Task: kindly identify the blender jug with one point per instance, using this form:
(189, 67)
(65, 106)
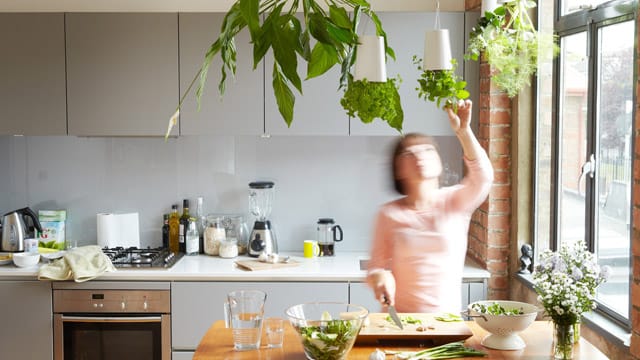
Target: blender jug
(328, 234)
(262, 238)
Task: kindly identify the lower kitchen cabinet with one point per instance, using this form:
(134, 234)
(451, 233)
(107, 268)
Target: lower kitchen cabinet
(195, 306)
(27, 321)
(182, 355)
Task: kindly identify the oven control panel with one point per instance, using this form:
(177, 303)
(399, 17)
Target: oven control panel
(112, 301)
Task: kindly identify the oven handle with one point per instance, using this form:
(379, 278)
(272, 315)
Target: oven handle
(112, 319)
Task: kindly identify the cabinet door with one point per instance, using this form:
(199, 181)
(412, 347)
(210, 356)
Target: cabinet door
(406, 33)
(26, 320)
(182, 355)
(241, 110)
(32, 89)
(122, 73)
(361, 294)
(316, 112)
(195, 306)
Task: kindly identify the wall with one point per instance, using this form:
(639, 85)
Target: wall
(346, 178)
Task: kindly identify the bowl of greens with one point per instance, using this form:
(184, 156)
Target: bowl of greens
(327, 330)
(503, 320)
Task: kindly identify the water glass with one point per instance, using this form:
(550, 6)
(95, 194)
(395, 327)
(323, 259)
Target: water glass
(275, 331)
(244, 310)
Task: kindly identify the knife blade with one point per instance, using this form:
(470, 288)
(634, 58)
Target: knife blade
(394, 314)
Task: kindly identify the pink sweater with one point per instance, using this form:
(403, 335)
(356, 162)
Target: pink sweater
(425, 250)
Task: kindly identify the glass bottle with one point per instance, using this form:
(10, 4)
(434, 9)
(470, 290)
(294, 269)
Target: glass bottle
(174, 229)
(192, 238)
(201, 221)
(165, 231)
(184, 224)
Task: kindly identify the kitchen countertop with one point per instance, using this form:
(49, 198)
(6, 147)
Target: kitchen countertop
(345, 266)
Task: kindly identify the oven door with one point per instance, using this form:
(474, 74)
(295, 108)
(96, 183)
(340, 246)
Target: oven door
(104, 337)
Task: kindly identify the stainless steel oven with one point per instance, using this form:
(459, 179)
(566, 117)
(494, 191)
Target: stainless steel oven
(111, 323)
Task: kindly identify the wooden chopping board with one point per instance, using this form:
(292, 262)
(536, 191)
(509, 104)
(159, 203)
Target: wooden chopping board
(381, 331)
(255, 265)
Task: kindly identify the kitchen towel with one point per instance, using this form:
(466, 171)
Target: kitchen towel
(80, 264)
(118, 230)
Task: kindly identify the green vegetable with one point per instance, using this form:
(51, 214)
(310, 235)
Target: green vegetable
(369, 100)
(329, 340)
(443, 87)
(51, 245)
(446, 351)
(495, 309)
(448, 317)
(405, 319)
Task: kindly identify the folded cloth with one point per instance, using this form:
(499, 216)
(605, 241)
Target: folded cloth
(80, 264)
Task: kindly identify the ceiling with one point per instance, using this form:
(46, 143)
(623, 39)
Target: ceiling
(194, 5)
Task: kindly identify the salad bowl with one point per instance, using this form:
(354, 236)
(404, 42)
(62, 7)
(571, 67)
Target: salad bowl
(503, 320)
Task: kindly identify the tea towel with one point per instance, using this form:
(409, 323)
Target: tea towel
(80, 264)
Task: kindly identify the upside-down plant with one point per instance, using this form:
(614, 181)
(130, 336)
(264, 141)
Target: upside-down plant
(443, 87)
(325, 35)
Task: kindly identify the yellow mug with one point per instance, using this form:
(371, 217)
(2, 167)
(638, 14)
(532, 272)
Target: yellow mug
(310, 249)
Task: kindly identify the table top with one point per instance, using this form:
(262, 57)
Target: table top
(217, 343)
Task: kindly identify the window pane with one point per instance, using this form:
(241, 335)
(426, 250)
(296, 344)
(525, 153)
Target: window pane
(573, 136)
(571, 6)
(615, 110)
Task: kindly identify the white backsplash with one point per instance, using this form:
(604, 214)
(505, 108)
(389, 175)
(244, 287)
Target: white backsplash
(345, 178)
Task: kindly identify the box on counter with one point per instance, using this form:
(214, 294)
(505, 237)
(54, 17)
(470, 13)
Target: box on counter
(53, 228)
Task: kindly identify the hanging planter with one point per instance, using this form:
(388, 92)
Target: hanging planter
(369, 94)
(510, 44)
(443, 87)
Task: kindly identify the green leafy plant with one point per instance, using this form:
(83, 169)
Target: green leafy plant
(510, 44)
(273, 25)
(443, 87)
(369, 100)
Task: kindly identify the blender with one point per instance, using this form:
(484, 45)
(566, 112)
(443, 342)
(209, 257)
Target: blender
(263, 238)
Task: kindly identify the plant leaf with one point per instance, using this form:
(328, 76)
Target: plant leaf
(249, 10)
(339, 17)
(318, 28)
(283, 43)
(323, 57)
(284, 96)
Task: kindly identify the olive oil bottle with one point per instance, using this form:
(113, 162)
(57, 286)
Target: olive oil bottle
(174, 230)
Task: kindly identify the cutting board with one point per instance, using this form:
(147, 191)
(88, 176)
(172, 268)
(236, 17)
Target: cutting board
(254, 265)
(381, 331)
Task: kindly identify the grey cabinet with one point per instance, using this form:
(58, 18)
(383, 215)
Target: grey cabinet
(405, 33)
(27, 330)
(122, 73)
(241, 110)
(32, 69)
(195, 306)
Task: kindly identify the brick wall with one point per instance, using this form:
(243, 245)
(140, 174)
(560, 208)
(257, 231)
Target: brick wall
(635, 244)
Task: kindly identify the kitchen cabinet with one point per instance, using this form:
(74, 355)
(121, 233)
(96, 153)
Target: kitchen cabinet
(122, 73)
(32, 69)
(27, 325)
(241, 110)
(405, 32)
(182, 355)
(195, 306)
(316, 112)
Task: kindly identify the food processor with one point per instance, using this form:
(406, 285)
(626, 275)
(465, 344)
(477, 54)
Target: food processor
(263, 238)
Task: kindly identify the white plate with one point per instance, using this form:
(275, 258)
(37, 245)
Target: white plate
(5, 261)
(53, 256)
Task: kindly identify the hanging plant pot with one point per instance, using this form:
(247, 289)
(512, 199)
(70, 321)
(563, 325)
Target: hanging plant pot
(370, 59)
(437, 50)
(443, 87)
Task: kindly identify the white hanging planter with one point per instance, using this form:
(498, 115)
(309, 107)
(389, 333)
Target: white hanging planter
(490, 5)
(370, 59)
(437, 50)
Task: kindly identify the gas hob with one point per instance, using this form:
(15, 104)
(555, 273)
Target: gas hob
(158, 258)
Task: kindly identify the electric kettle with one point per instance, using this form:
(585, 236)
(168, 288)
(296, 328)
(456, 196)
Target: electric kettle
(15, 229)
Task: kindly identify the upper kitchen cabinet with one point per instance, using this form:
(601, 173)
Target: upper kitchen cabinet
(316, 112)
(122, 73)
(32, 89)
(406, 33)
(241, 110)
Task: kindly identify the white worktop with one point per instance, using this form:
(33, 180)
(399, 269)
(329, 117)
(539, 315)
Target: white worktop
(342, 267)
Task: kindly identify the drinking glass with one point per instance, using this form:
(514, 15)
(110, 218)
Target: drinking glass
(274, 327)
(244, 310)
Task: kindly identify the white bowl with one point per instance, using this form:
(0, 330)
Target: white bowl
(26, 259)
(504, 329)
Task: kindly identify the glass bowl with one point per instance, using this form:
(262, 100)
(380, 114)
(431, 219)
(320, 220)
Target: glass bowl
(327, 330)
(503, 328)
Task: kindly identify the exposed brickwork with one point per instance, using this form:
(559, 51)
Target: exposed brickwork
(635, 244)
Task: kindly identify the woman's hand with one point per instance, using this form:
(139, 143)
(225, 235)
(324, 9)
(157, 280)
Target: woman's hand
(384, 286)
(461, 120)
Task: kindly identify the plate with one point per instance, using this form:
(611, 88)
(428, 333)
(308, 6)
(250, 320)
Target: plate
(6, 258)
(53, 256)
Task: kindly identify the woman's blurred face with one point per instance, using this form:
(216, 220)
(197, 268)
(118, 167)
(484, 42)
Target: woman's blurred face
(419, 161)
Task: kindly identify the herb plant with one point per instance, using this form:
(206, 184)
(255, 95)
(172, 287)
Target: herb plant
(511, 45)
(369, 100)
(495, 309)
(330, 340)
(443, 87)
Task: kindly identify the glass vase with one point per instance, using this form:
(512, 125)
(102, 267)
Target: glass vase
(576, 331)
(563, 341)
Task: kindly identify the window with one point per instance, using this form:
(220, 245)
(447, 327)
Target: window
(584, 139)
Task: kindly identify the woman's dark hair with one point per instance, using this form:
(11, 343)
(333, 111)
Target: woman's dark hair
(400, 146)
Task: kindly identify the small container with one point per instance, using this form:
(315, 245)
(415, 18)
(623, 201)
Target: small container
(229, 248)
(214, 234)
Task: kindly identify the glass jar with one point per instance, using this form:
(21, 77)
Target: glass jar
(214, 234)
(240, 232)
(228, 248)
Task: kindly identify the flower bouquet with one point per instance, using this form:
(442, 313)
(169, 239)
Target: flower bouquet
(566, 283)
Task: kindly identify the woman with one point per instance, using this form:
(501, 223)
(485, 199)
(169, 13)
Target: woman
(420, 240)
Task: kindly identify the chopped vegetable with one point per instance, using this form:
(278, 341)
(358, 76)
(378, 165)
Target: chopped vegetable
(447, 351)
(448, 317)
(405, 319)
(496, 309)
(330, 340)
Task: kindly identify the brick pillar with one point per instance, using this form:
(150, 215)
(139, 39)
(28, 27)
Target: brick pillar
(490, 228)
(634, 316)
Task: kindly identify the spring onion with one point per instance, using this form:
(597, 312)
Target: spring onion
(405, 319)
(448, 317)
(447, 351)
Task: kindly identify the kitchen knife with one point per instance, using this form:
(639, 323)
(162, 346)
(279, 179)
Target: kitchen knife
(394, 314)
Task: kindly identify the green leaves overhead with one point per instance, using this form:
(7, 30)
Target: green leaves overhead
(370, 100)
(288, 37)
(441, 86)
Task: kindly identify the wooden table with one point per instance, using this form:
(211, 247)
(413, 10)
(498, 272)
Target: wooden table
(217, 343)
